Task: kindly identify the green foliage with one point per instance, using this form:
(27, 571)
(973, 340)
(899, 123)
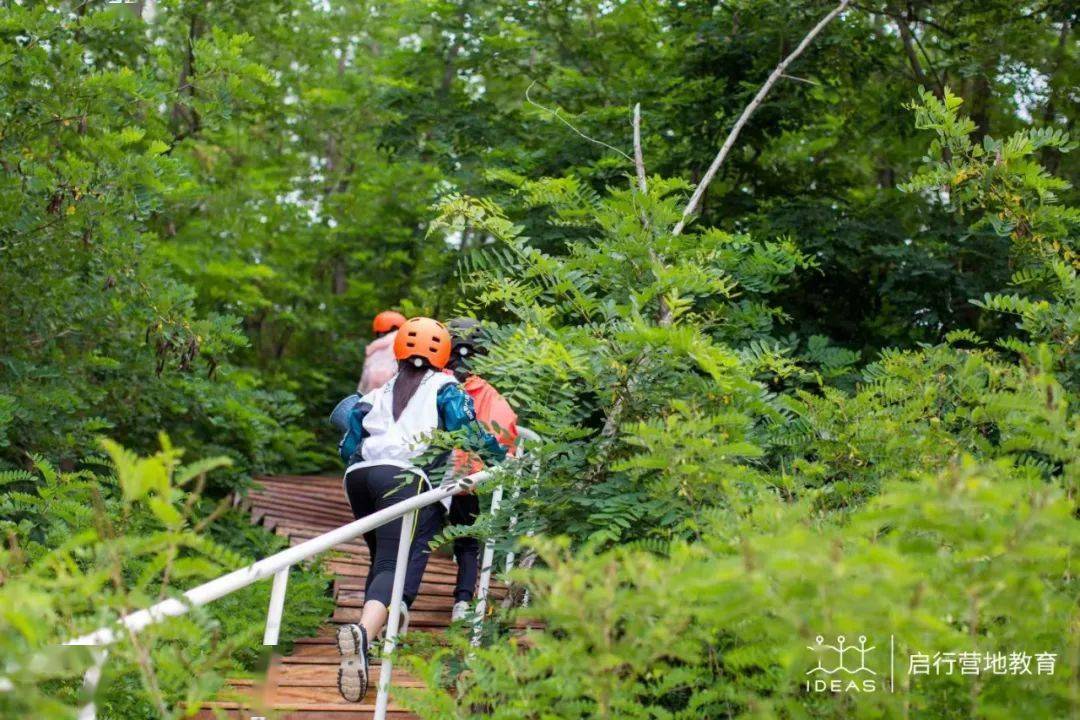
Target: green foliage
(630, 326)
(1002, 180)
(1006, 187)
(974, 558)
(100, 336)
(202, 207)
(721, 502)
(86, 547)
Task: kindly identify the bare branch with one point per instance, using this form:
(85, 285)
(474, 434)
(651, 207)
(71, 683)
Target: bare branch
(560, 118)
(664, 315)
(639, 159)
(909, 41)
(802, 80)
(749, 110)
(938, 77)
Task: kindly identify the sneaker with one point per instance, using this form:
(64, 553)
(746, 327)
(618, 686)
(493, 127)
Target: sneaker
(460, 611)
(352, 679)
(403, 625)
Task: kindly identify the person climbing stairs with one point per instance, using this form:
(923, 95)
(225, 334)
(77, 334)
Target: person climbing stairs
(303, 684)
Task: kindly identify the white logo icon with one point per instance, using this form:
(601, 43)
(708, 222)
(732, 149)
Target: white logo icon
(845, 656)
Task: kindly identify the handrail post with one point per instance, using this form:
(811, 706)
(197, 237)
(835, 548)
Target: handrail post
(511, 556)
(90, 683)
(489, 546)
(278, 566)
(382, 700)
(485, 573)
(277, 607)
(508, 565)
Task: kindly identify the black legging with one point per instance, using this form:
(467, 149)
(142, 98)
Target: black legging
(464, 509)
(374, 488)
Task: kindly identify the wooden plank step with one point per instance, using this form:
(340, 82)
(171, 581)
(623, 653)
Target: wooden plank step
(322, 675)
(316, 491)
(314, 488)
(297, 535)
(335, 510)
(325, 655)
(422, 602)
(356, 570)
(304, 711)
(345, 585)
(439, 617)
(303, 685)
(362, 563)
(354, 598)
(322, 522)
(363, 560)
(232, 714)
(323, 698)
(334, 499)
(325, 635)
(324, 479)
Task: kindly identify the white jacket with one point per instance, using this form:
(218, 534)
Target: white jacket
(404, 439)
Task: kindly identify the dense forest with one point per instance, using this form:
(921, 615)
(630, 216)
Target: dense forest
(838, 397)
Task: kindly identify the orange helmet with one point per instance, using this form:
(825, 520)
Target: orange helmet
(423, 338)
(386, 321)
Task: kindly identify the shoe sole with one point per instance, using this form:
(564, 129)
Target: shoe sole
(352, 673)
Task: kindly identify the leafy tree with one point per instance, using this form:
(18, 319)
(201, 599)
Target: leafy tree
(100, 335)
(742, 506)
(203, 204)
(975, 558)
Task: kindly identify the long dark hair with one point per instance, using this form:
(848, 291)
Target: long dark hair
(408, 379)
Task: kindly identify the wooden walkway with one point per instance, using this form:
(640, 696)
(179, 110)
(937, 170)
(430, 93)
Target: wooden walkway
(303, 685)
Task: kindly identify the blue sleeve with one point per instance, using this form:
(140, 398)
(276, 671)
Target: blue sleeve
(456, 412)
(355, 433)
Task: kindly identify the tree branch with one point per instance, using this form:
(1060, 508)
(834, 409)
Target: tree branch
(699, 191)
(909, 40)
(664, 315)
(564, 121)
(909, 50)
(639, 159)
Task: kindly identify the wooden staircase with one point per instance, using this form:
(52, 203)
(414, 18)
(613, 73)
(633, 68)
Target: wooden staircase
(303, 685)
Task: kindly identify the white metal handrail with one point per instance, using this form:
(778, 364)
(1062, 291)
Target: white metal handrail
(486, 564)
(278, 566)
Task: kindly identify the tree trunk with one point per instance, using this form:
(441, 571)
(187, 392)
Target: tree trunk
(451, 56)
(980, 97)
(1051, 157)
(184, 116)
(339, 277)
